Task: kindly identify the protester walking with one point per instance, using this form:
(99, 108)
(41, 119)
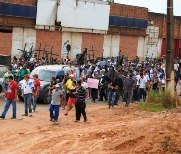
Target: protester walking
(55, 104)
(68, 86)
(94, 91)
(113, 88)
(72, 98)
(27, 93)
(142, 86)
(103, 84)
(36, 90)
(10, 97)
(23, 71)
(52, 87)
(6, 78)
(80, 102)
(129, 85)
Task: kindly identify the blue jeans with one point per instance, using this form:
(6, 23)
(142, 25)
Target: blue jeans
(112, 97)
(128, 96)
(118, 94)
(28, 101)
(8, 102)
(137, 91)
(35, 102)
(54, 111)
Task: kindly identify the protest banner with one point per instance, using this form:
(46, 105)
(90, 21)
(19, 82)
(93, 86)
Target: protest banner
(92, 83)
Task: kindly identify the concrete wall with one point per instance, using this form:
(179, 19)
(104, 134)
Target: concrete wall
(111, 45)
(22, 36)
(73, 39)
(148, 50)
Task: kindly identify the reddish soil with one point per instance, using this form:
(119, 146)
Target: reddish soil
(108, 131)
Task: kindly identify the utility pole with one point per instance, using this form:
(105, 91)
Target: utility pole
(169, 53)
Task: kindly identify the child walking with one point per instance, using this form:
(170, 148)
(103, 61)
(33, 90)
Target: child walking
(55, 104)
(72, 98)
(80, 102)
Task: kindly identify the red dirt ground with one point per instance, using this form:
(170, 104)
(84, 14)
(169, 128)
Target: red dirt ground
(108, 131)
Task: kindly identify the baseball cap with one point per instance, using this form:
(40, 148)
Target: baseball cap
(35, 75)
(26, 76)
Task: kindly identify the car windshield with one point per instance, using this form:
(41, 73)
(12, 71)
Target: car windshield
(44, 75)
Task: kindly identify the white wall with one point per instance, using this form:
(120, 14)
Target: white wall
(107, 46)
(149, 50)
(75, 40)
(17, 41)
(29, 38)
(22, 36)
(141, 49)
(115, 45)
(154, 50)
(111, 45)
(150, 46)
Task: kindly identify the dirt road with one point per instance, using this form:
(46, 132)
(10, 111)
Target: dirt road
(108, 131)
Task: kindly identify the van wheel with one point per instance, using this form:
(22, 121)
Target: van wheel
(46, 99)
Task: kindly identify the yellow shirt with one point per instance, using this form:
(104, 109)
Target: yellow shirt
(69, 85)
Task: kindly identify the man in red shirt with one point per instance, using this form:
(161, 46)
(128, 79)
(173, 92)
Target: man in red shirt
(11, 97)
(36, 90)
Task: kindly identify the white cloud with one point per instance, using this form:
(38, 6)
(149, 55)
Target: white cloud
(159, 6)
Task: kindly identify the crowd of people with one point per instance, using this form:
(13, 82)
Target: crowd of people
(118, 79)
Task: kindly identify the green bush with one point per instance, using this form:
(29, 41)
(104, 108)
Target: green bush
(158, 101)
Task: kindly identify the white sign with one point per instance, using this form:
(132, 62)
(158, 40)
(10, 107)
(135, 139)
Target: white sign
(85, 15)
(46, 12)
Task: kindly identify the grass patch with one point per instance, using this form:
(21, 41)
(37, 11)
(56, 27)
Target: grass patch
(152, 107)
(158, 101)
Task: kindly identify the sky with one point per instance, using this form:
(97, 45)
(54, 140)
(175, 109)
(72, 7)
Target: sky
(158, 6)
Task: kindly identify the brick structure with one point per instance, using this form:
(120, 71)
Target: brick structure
(47, 39)
(128, 35)
(10, 22)
(5, 43)
(160, 20)
(95, 41)
(128, 46)
(128, 11)
(23, 2)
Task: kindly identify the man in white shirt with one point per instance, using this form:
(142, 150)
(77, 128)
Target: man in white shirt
(176, 67)
(142, 85)
(27, 92)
